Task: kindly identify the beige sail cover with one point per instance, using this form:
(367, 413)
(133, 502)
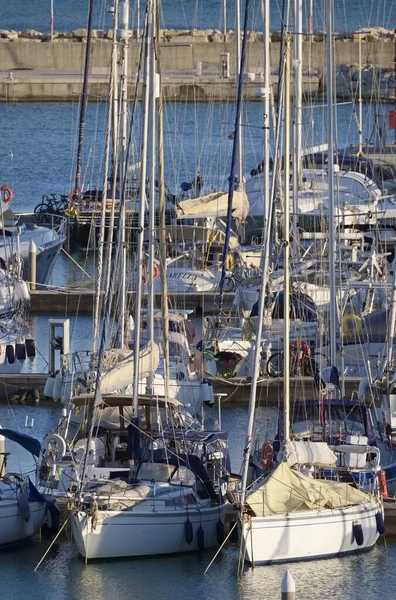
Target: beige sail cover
(288, 491)
(316, 454)
(215, 205)
(121, 373)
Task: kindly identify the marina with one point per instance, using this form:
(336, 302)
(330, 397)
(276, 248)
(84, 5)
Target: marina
(198, 300)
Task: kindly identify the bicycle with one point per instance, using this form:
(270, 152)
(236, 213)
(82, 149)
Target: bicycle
(49, 206)
(301, 363)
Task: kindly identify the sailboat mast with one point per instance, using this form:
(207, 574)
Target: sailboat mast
(332, 198)
(124, 38)
(264, 263)
(286, 246)
(99, 277)
(84, 98)
(238, 132)
(142, 200)
(161, 209)
(297, 122)
(152, 203)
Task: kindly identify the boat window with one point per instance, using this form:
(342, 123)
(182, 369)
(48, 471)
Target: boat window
(157, 471)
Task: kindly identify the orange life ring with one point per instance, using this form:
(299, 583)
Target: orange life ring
(6, 194)
(145, 270)
(382, 484)
(267, 456)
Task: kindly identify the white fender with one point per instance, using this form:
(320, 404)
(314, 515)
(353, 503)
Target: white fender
(55, 444)
(57, 389)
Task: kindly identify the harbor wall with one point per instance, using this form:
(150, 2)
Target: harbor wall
(183, 54)
(35, 69)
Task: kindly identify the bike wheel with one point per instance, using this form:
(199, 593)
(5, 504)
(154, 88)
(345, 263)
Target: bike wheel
(229, 284)
(40, 212)
(275, 364)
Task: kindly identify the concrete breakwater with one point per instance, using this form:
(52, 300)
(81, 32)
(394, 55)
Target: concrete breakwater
(196, 65)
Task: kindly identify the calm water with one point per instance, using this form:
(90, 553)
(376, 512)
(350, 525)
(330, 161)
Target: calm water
(36, 157)
(188, 14)
(37, 153)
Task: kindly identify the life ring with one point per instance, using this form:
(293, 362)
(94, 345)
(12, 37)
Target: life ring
(6, 194)
(145, 270)
(267, 456)
(55, 445)
(351, 325)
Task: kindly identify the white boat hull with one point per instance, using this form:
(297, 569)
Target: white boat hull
(132, 533)
(308, 535)
(13, 528)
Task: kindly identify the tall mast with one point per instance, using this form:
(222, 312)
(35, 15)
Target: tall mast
(124, 39)
(161, 210)
(264, 261)
(286, 247)
(332, 198)
(152, 207)
(142, 199)
(84, 99)
(238, 132)
(297, 123)
(234, 158)
(105, 183)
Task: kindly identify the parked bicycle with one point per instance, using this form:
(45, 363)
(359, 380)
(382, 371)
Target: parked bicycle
(301, 361)
(50, 205)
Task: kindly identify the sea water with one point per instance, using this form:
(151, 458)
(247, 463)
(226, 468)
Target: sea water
(190, 14)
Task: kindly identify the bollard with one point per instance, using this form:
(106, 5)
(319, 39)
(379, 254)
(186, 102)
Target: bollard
(32, 265)
(288, 587)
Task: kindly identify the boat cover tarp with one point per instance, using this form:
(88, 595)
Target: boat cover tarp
(215, 205)
(121, 373)
(316, 454)
(29, 443)
(287, 491)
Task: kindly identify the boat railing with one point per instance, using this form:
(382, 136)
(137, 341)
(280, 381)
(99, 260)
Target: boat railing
(51, 221)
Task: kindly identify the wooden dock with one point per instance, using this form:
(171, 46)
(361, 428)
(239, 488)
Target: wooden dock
(81, 302)
(270, 391)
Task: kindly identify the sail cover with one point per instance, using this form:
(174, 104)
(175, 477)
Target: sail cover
(121, 373)
(287, 491)
(316, 454)
(214, 205)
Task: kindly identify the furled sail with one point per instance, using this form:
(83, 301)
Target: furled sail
(214, 205)
(120, 374)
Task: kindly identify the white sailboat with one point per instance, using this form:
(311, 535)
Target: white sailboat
(23, 510)
(289, 515)
(161, 488)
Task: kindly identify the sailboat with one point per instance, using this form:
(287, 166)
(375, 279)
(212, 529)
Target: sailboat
(153, 485)
(289, 515)
(23, 510)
